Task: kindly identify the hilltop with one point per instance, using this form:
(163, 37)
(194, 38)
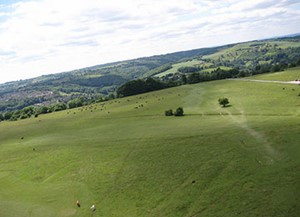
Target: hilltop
(101, 81)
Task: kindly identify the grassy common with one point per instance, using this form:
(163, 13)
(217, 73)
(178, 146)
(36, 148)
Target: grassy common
(128, 159)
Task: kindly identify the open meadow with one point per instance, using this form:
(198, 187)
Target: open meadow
(129, 159)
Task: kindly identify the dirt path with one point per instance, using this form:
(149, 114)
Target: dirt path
(269, 153)
(266, 81)
(257, 135)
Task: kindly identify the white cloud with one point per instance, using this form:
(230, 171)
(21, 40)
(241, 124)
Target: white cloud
(48, 36)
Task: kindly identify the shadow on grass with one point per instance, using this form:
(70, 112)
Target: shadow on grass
(226, 106)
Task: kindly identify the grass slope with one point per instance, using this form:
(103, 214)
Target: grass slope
(130, 160)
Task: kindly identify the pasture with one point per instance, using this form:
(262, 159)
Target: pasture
(128, 159)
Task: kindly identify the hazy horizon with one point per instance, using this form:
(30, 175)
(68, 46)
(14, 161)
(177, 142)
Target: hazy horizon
(51, 36)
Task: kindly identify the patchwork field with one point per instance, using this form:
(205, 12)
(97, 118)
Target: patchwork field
(129, 159)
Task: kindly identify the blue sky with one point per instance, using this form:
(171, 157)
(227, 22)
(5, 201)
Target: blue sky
(49, 36)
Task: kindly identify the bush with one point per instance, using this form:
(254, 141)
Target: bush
(169, 112)
(179, 112)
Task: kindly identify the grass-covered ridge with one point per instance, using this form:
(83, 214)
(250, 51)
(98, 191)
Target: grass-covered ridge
(128, 159)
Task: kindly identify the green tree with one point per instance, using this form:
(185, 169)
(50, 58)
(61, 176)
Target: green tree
(78, 102)
(169, 112)
(223, 101)
(183, 79)
(28, 110)
(42, 110)
(179, 112)
(59, 107)
(193, 78)
(8, 115)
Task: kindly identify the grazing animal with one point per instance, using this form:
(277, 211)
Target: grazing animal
(93, 208)
(77, 203)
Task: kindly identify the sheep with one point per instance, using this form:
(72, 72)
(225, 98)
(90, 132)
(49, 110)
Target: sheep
(77, 203)
(93, 208)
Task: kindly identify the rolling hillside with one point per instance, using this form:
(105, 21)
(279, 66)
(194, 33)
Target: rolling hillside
(129, 159)
(103, 80)
(245, 56)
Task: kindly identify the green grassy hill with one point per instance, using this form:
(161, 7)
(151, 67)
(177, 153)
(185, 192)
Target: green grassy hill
(245, 56)
(103, 80)
(128, 159)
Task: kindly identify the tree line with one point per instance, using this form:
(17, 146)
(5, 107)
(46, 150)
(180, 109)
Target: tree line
(139, 86)
(192, 75)
(35, 111)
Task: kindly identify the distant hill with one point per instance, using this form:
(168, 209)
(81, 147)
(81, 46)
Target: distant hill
(102, 80)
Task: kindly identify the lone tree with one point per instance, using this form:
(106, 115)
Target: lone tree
(223, 101)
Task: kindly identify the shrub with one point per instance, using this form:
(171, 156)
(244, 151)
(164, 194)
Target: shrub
(169, 112)
(179, 112)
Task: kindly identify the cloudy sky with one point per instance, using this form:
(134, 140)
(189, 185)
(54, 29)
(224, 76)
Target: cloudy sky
(49, 36)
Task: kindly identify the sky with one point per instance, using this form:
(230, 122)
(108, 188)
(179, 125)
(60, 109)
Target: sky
(49, 36)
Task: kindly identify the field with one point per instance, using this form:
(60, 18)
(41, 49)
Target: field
(128, 159)
(247, 50)
(176, 66)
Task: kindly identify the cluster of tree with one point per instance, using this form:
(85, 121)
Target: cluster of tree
(35, 111)
(18, 114)
(19, 103)
(178, 112)
(277, 67)
(101, 81)
(219, 73)
(206, 76)
(189, 69)
(247, 59)
(141, 86)
(159, 70)
(70, 89)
